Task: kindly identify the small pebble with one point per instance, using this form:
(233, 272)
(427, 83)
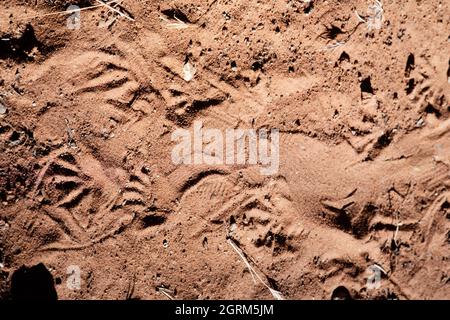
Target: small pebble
(188, 72)
(419, 123)
(3, 109)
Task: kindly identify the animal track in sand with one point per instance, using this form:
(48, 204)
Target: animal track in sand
(352, 190)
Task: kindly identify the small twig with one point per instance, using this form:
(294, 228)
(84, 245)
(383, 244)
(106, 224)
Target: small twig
(380, 268)
(249, 267)
(115, 10)
(69, 11)
(175, 25)
(276, 294)
(335, 45)
(165, 292)
(359, 17)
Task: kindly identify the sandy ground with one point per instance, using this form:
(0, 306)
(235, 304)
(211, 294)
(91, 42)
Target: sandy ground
(360, 94)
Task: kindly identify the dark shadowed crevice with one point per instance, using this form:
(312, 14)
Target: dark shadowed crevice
(341, 293)
(20, 48)
(366, 86)
(33, 283)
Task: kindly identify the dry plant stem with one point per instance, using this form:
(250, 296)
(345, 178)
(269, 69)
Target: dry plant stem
(114, 9)
(175, 25)
(164, 292)
(70, 11)
(359, 17)
(254, 274)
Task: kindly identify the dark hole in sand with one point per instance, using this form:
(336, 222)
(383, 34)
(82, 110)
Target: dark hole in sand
(341, 293)
(410, 86)
(152, 220)
(410, 64)
(331, 32)
(430, 109)
(33, 283)
(175, 14)
(344, 57)
(19, 49)
(366, 86)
